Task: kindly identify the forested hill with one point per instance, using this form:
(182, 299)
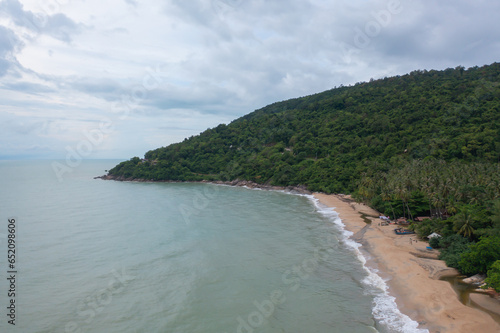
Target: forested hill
(331, 140)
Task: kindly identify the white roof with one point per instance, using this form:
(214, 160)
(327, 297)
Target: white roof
(433, 235)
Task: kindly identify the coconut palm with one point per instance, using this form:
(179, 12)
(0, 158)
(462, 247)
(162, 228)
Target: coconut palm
(463, 222)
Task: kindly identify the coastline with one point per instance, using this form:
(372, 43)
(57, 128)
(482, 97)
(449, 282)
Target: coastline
(299, 189)
(411, 271)
(413, 277)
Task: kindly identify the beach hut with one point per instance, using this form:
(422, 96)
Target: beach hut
(433, 235)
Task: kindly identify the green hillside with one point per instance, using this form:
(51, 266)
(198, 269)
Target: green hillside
(328, 140)
(422, 144)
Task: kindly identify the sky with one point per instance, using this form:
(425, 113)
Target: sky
(114, 79)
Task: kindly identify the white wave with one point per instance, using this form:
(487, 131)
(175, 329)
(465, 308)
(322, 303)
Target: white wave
(252, 188)
(385, 309)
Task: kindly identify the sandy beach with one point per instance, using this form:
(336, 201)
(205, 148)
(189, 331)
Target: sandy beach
(412, 272)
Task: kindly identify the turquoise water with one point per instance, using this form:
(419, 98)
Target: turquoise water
(105, 256)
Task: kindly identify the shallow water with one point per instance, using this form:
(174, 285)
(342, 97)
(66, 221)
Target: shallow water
(464, 290)
(105, 256)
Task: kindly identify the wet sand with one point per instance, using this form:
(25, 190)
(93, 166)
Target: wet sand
(412, 272)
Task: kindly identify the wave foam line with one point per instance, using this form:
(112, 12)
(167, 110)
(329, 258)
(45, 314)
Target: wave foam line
(385, 309)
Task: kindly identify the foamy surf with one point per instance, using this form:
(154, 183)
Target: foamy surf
(385, 310)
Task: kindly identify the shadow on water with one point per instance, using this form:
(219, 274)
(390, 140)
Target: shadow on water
(464, 290)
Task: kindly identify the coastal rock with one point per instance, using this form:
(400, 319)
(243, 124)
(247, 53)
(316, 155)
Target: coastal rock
(299, 189)
(477, 279)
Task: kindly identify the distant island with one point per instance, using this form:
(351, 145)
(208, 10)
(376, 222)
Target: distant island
(422, 147)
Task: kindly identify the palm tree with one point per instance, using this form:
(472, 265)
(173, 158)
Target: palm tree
(386, 196)
(463, 222)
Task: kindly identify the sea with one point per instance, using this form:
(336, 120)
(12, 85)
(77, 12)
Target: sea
(79, 254)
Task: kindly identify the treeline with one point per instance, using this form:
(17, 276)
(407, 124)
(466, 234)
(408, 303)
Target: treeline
(461, 201)
(422, 144)
(430, 187)
(328, 140)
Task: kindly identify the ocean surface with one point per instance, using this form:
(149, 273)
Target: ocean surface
(106, 256)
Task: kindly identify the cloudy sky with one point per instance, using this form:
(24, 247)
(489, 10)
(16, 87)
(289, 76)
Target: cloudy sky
(115, 78)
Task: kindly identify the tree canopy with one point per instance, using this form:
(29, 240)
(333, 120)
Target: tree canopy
(330, 140)
(425, 143)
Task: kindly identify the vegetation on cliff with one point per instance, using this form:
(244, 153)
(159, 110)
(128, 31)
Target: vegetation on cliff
(422, 144)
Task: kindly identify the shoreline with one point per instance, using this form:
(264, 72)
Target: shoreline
(299, 189)
(411, 274)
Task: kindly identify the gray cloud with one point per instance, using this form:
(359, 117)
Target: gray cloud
(58, 26)
(8, 45)
(131, 2)
(27, 87)
(107, 89)
(222, 58)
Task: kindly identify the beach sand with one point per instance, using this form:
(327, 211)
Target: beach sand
(412, 272)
